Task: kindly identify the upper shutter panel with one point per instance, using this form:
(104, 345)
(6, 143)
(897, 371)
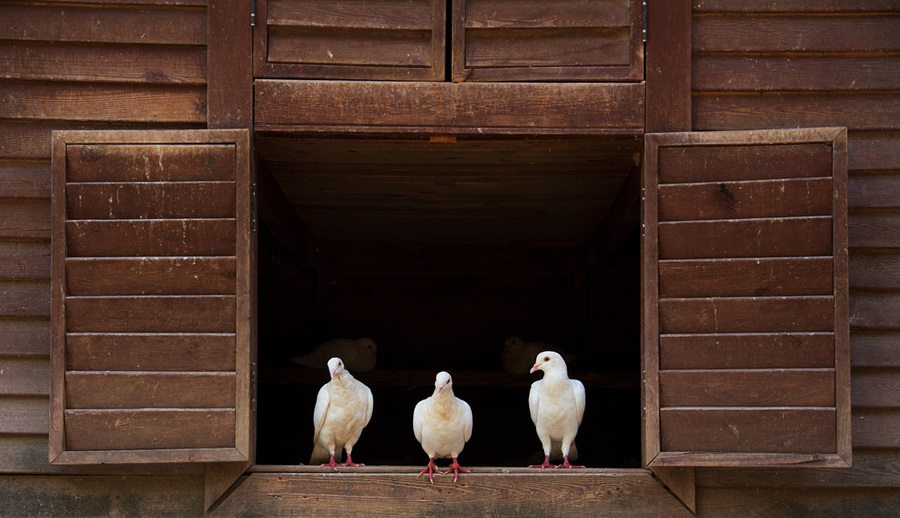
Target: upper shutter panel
(151, 303)
(541, 40)
(396, 40)
(746, 330)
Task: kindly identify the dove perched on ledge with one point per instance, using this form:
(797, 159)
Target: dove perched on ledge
(443, 424)
(359, 355)
(557, 407)
(343, 409)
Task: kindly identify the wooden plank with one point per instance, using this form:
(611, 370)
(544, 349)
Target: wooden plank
(746, 277)
(875, 269)
(150, 200)
(874, 151)
(726, 200)
(746, 351)
(778, 237)
(24, 179)
(104, 390)
(542, 14)
(174, 314)
(172, 104)
(875, 388)
(229, 93)
(793, 33)
(124, 162)
(387, 14)
(24, 219)
(532, 47)
(131, 238)
(24, 376)
(24, 415)
(357, 47)
(747, 388)
(30, 337)
(696, 164)
(151, 276)
(541, 108)
(875, 348)
(810, 501)
(150, 352)
(874, 229)
(875, 310)
(751, 314)
(668, 66)
(856, 111)
(748, 430)
(39, 61)
(148, 429)
(734, 73)
(794, 6)
(873, 191)
(876, 428)
(24, 299)
(107, 24)
(24, 260)
(624, 493)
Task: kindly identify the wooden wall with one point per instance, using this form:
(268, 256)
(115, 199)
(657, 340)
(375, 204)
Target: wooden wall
(832, 63)
(64, 66)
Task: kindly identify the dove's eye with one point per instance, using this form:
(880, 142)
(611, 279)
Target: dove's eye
(546, 358)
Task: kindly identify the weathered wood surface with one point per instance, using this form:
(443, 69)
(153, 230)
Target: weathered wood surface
(483, 492)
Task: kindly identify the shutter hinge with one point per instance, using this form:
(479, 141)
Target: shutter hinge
(644, 21)
(253, 13)
(253, 386)
(253, 204)
(643, 215)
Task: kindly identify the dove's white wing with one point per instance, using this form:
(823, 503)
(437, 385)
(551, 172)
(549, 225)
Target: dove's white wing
(467, 421)
(417, 420)
(578, 388)
(370, 405)
(323, 401)
(534, 400)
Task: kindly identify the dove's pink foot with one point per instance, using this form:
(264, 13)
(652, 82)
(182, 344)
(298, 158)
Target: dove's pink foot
(566, 464)
(332, 463)
(431, 469)
(350, 462)
(456, 469)
(546, 463)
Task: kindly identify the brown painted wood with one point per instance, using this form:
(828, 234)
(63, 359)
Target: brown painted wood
(104, 390)
(24, 219)
(746, 351)
(746, 388)
(117, 238)
(150, 352)
(24, 299)
(873, 151)
(874, 229)
(24, 415)
(690, 164)
(876, 428)
(746, 314)
(149, 429)
(748, 430)
(151, 276)
(668, 66)
(229, 60)
(27, 338)
(136, 162)
(25, 260)
(746, 277)
(873, 191)
(24, 376)
(681, 482)
(533, 108)
(151, 200)
(24, 179)
(586, 493)
(875, 269)
(776, 237)
(174, 314)
(725, 200)
(794, 6)
(875, 388)
(874, 349)
(875, 310)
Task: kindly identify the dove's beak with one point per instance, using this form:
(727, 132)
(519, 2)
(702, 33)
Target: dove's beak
(536, 367)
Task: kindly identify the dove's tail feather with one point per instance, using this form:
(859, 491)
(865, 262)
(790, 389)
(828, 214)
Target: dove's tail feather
(320, 455)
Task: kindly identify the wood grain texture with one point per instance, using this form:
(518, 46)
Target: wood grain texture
(150, 352)
(149, 429)
(151, 276)
(24, 179)
(133, 238)
(694, 164)
(24, 376)
(875, 348)
(588, 493)
(874, 229)
(750, 314)
(747, 388)
(174, 314)
(105, 390)
(24, 415)
(24, 219)
(873, 269)
(24, 260)
(873, 191)
(229, 50)
(24, 299)
(668, 66)
(156, 200)
(876, 428)
(875, 388)
(25, 338)
(746, 277)
(875, 310)
(746, 351)
(136, 162)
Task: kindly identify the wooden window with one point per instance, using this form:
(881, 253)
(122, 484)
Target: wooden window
(152, 315)
(540, 40)
(399, 40)
(746, 341)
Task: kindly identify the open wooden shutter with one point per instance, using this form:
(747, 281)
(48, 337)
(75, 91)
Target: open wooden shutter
(746, 330)
(152, 310)
(547, 40)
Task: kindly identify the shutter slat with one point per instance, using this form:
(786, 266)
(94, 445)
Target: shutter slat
(133, 238)
(151, 200)
(746, 277)
(747, 388)
(151, 276)
(746, 351)
(150, 163)
(747, 314)
(165, 314)
(98, 390)
(778, 237)
(150, 352)
(149, 429)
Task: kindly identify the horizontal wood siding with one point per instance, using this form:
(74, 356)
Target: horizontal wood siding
(349, 39)
(527, 40)
(794, 63)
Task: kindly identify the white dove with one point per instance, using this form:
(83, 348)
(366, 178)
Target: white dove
(359, 355)
(443, 424)
(557, 407)
(343, 409)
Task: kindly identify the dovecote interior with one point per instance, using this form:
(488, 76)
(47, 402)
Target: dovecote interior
(439, 249)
